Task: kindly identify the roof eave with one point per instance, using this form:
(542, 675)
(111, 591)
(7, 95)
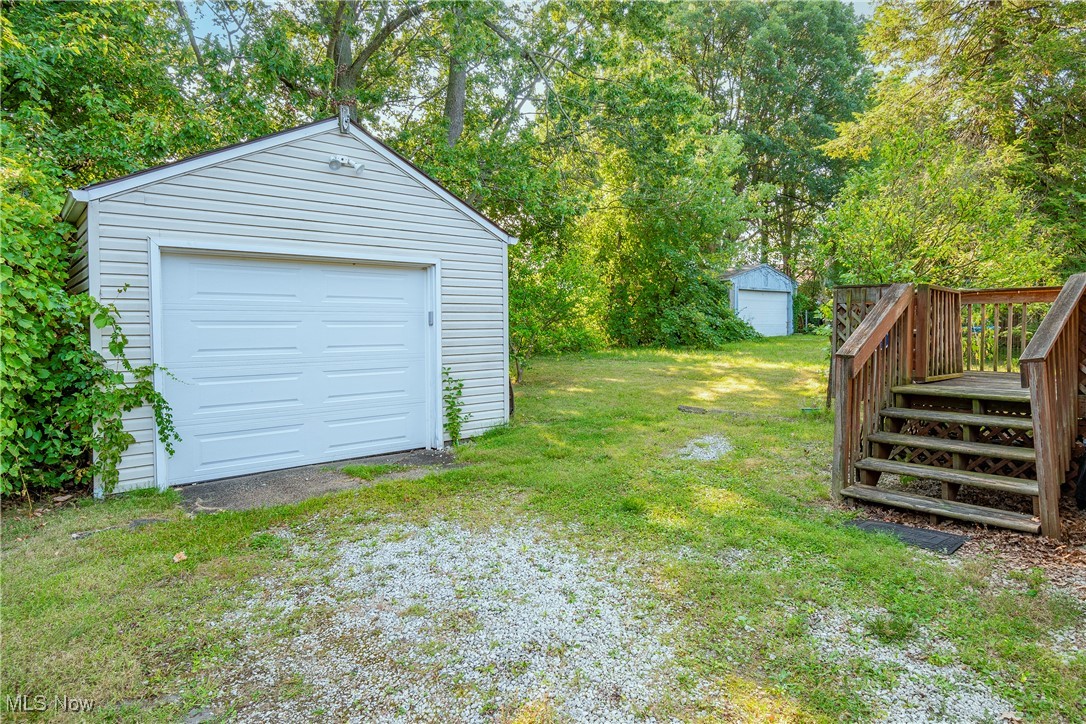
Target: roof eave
(132, 181)
(74, 203)
(410, 168)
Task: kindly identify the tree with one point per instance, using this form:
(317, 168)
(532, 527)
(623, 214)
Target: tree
(89, 90)
(932, 210)
(667, 205)
(780, 75)
(993, 90)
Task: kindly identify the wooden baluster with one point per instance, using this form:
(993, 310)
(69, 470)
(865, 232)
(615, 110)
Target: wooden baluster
(1010, 335)
(983, 332)
(1024, 321)
(969, 336)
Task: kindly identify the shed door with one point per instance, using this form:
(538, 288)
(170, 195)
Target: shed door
(282, 363)
(766, 311)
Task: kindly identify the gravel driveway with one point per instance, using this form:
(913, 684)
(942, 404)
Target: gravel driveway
(442, 623)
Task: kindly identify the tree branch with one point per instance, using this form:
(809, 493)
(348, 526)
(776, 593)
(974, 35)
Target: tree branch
(378, 39)
(188, 30)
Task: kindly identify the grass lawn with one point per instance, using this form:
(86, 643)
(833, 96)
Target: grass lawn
(114, 617)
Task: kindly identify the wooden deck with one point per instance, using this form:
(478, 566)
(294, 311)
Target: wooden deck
(1001, 386)
(927, 382)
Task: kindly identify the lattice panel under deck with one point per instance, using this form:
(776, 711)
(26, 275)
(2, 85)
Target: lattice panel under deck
(1007, 468)
(1004, 436)
(921, 456)
(924, 428)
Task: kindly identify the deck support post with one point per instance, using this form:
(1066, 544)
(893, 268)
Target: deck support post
(1049, 470)
(841, 475)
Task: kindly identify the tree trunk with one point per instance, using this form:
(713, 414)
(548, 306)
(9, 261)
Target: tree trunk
(342, 53)
(456, 99)
(788, 232)
(457, 90)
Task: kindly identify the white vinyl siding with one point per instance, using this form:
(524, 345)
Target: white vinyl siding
(272, 201)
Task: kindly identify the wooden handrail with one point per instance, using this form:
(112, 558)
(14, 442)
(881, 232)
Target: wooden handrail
(1051, 368)
(1064, 306)
(876, 357)
(1011, 295)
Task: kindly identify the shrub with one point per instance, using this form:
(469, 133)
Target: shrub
(453, 396)
(60, 402)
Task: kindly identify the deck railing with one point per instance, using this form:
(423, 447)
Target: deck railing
(998, 324)
(938, 344)
(851, 304)
(876, 357)
(1051, 369)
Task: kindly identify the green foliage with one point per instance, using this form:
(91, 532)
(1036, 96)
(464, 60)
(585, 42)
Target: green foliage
(975, 140)
(779, 75)
(667, 207)
(556, 299)
(934, 210)
(452, 394)
(60, 416)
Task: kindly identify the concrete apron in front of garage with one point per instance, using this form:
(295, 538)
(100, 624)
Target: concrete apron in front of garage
(293, 485)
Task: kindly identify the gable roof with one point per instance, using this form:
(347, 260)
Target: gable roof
(78, 198)
(740, 271)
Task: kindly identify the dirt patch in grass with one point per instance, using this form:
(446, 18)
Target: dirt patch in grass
(706, 448)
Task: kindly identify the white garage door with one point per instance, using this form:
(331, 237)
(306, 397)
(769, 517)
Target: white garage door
(284, 363)
(767, 312)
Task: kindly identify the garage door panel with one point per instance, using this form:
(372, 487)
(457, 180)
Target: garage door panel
(373, 386)
(370, 288)
(337, 369)
(215, 394)
(218, 337)
(211, 451)
(214, 280)
(353, 434)
(198, 335)
(347, 336)
(766, 311)
(202, 393)
(220, 453)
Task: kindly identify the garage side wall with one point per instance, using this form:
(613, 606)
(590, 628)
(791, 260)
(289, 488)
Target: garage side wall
(278, 200)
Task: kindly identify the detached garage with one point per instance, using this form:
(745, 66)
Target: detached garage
(763, 297)
(304, 292)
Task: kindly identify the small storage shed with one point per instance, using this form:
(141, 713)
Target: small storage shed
(763, 296)
(304, 290)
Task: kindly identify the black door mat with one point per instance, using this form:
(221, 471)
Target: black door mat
(933, 540)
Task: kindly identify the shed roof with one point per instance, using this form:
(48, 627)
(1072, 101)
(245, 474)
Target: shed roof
(78, 198)
(740, 271)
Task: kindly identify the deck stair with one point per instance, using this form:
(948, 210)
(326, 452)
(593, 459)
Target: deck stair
(978, 394)
(975, 431)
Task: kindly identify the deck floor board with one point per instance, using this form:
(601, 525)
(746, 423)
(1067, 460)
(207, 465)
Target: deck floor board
(998, 385)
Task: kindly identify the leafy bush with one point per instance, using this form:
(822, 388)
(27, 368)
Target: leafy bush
(930, 209)
(700, 315)
(555, 302)
(60, 402)
(453, 397)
